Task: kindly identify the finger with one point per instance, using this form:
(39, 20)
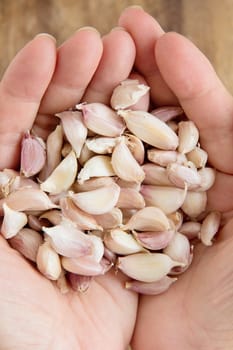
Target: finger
(145, 39)
(77, 60)
(221, 193)
(21, 90)
(115, 65)
(202, 95)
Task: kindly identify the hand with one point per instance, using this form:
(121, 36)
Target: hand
(197, 311)
(34, 314)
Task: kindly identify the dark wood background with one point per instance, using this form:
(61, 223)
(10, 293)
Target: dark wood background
(208, 23)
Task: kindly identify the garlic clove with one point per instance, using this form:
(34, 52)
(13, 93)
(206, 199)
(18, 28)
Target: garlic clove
(136, 147)
(48, 262)
(188, 136)
(34, 222)
(146, 267)
(190, 229)
(54, 216)
(151, 288)
(66, 149)
(93, 183)
(150, 129)
(94, 167)
(27, 242)
(154, 240)
(62, 283)
(111, 219)
(121, 242)
(181, 175)
(101, 145)
(99, 201)
(128, 184)
(79, 283)
(167, 113)
(97, 251)
(85, 266)
(176, 218)
(121, 156)
(101, 119)
(74, 129)
(160, 157)
(130, 198)
(208, 176)
(127, 93)
(109, 255)
(210, 227)
(178, 248)
(148, 219)
(155, 175)
(194, 203)
(13, 222)
(198, 156)
(62, 176)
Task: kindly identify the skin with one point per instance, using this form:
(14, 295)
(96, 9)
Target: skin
(196, 312)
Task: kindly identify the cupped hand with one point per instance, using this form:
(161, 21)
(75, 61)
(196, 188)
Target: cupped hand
(39, 82)
(197, 311)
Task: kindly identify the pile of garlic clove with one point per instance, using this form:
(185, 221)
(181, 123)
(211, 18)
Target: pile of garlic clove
(112, 187)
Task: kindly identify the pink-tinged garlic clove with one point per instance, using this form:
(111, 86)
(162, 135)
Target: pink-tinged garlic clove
(95, 167)
(79, 283)
(194, 203)
(121, 242)
(210, 227)
(34, 222)
(167, 198)
(32, 155)
(148, 219)
(136, 147)
(62, 176)
(27, 242)
(125, 165)
(109, 255)
(48, 262)
(111, 219)
(101, 119)
(97, 249)
(101, 145)
(181, 175)
(99, 201)
(190, 229)
(154, 240)
(188, 136)
(130, 198)
(127, 93)
(150, 129)
(178, 248)
(160, 157)
(152, 288)
(198, 156)
(167, 113)
(93, 183)
(74, 129)
(85, 266)
(54, 216)
(208, 176)
(146, 267)
(13, 222)
(155, 175)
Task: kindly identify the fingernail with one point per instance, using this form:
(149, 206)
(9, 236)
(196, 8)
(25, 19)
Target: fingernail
(87, 28)
(117, 28)
(136, 7)
(46, 35)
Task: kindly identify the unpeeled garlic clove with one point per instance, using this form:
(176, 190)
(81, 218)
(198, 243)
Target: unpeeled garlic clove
(85, 266)
(111, 219)
(128, 184)
(109, 255)
(62, 283)
(178, 248)
(176, 218)
(155, 175)
(101, 119)
(121, 242)
(62, 176)
(154, 240)
(99, 201)
(97, 251)
(160, 157)
(125, 165)
(194, 203)
(79, 283)
(27, 242)
(85, 154)
(146, 267)
(208, 176)
(190, 229)
(136, 147)
(94, 167)
(66, 149)
(93, 183)
(130, 198)
(48, 262)
(188, 136)
(148, 219)
(127, 93)
(198, 156)
(181, 175)
(34, 222)
(167, 198)
(32, 155)
(54, 216)
(152, 288)
(150, 129)
(13, 222)
(74, 129)
(101, 145)
(210, 227)
(167, 113)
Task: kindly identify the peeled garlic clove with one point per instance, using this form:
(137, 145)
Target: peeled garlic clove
(54, 216)
(48, 262)
(74, 129)
(111, 219)
(155, 175)
(67, 240)
(188, 136)
(136, 147)
(127, 94)
(94, 167)
(121, 242)
(79, 283)
(207, 179)
(190, 229)
(161, 157)
(198, 156)
(29, 199)
(99, 201)
(101, 119)
(13, 222)
(154, 240)
(130, 198)
(194, 203)
(152, 288)
(125, 165)
(81, 219)
(150, 129)
(167, 113)
(178, 248)
(85, 266)
(101, 145)
(148, 219)
(62, 177)
(146, 267)
(210, 227)
(32, 155)
(180, 175)
(27, 242)
(168, 198)
(93, 183)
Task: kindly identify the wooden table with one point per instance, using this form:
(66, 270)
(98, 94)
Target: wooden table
(208, 23)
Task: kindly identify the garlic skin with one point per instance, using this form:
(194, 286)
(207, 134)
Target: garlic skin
(150, 129)
(127, 94)
(95, 167)
(121, 242)
(62, 177)
(152, 288)
(48, 262)
(13, 222)
(210, 227)
(79, 283)
(188, 136)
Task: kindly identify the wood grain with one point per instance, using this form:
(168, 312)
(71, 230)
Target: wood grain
(208, 23)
